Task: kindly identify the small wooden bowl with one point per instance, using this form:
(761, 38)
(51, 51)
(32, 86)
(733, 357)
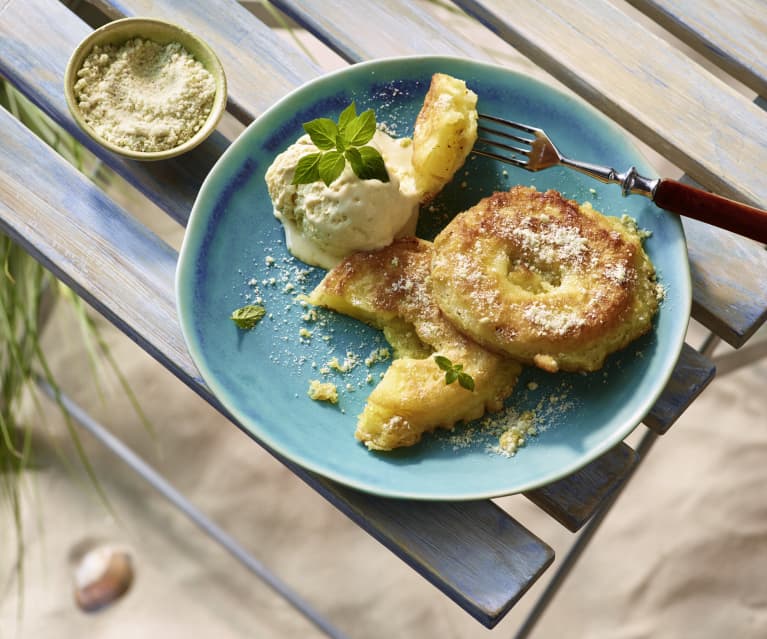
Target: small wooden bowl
(161, 32)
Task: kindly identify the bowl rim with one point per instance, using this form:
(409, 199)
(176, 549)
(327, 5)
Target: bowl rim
(213, 66)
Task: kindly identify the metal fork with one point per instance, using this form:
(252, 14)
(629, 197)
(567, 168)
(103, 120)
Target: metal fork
(530, 148)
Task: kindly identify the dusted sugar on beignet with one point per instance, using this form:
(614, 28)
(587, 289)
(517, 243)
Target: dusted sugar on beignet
(544, 279)
(445, 132)
(391, 290)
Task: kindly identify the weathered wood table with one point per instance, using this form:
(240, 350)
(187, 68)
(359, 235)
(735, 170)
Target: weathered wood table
(610, 55)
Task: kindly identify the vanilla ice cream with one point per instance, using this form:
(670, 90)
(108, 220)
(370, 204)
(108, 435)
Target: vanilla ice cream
(323, 224)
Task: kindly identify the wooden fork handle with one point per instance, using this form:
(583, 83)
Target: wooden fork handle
(712, 209)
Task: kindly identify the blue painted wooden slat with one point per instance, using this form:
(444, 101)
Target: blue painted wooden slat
(586, 490)
(377, 29)
(692, 374)
(728, 279)
(492, 577)
(731, 34)
(474, 552)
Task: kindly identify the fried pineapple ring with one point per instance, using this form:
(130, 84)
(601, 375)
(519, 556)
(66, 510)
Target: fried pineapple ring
(390, 289)
(444, 134)
(544, 280)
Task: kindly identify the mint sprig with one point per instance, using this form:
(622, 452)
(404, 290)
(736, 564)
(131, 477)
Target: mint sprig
(454, 372)
(339, 143)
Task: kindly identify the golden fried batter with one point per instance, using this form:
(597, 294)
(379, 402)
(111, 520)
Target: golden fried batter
(544, 279)
(391, 289)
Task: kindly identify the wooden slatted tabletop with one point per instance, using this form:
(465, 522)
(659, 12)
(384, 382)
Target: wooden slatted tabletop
(474, 552)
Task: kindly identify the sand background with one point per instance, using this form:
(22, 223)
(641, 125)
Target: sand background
(682, 554)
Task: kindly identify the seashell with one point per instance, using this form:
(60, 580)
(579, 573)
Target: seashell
(102, 575)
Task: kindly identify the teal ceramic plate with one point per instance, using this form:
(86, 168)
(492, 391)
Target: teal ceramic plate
(234, 252)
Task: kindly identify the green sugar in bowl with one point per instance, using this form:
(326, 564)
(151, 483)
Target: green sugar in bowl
(145, 89)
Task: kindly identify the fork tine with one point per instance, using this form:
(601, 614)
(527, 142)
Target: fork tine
(500, 158)
(504, 146)
(504, 134)
(497, 132)
(509, 123)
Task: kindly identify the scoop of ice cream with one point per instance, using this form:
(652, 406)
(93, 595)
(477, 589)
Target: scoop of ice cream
(323, 224)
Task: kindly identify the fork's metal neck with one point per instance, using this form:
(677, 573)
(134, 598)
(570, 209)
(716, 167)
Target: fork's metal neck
(630, 181)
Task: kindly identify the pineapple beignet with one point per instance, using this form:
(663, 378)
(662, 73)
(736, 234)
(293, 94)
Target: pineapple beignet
(391, 290)
(544, 279)
(445, 132)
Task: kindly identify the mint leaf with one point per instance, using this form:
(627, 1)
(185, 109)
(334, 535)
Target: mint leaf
(466, 380)
(361, 129)
(454, 372)
(307, 169)
(347, 115)
(248, 316)
(373, 166)
(323, 132)
(355, 159)
(331, 165)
